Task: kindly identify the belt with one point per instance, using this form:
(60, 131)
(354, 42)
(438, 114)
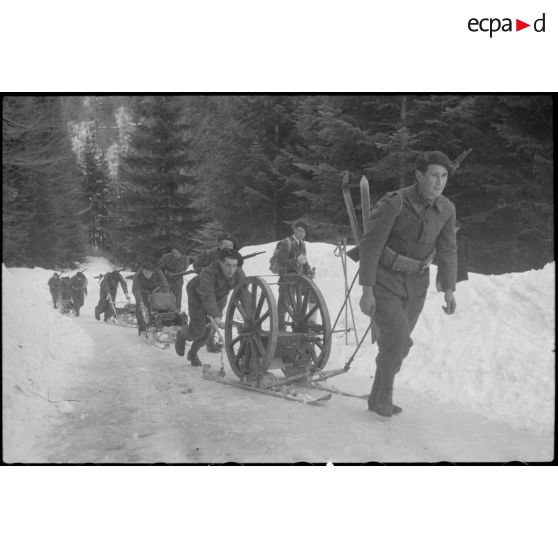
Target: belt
(403, 264)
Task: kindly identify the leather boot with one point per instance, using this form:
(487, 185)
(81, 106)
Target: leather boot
(194, 359)
(373, 397)
(384, 403)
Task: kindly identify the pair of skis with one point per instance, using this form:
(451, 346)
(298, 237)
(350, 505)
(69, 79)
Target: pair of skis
(364, 202)
(365, 197)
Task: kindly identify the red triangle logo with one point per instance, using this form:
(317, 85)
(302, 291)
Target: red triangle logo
(519, 25)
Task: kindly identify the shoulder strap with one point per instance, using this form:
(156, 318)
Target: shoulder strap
(401, 202)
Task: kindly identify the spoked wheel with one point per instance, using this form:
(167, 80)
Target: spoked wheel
(251, 329)
(305, 311)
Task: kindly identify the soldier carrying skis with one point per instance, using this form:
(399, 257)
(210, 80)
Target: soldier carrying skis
(108, 288)
(405, 230)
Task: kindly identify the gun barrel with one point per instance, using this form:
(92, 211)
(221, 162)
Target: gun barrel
(252, 254)
(461, 157)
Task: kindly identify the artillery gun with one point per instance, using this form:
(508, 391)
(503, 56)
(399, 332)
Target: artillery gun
(293, 338)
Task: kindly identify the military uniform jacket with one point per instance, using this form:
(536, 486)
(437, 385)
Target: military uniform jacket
(109, 284)
(65, 287)
(406, 223)
(54, 284)
(142, 284)
(169, 264)
(78, 283)
(213, 288)
(288, 258)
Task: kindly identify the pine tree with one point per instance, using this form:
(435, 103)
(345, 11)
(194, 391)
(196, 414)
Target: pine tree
(240, 183)
(95, 181)
(41, 201)
(155, 179)
(330, 138)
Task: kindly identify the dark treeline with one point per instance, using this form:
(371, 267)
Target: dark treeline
(149, 172)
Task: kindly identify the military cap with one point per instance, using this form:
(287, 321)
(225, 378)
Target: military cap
(433, 158)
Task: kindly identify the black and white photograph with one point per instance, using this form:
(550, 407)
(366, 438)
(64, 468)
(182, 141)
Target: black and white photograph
(261, 278)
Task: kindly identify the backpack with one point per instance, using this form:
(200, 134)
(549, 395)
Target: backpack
(163, 302)
(274, 262)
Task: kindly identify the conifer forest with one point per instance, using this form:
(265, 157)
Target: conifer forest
(124, 176)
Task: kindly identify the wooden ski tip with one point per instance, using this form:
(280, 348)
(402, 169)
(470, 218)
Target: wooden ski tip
(364, 181)
(345, 181)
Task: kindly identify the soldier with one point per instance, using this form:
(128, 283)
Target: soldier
(109, 287)
(78, 290)
(146, 281)
(206, 258)
(210, 256)
(65, 295)
(291, 258)
(54, 286)
(174, 262)
(405, 230)
(207, 296)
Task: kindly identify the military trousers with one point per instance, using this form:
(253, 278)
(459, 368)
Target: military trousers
(77, 299)
(396, 317)
(199, 324)
(55, 295)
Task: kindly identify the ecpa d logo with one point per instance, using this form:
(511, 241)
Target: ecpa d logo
(492, 25)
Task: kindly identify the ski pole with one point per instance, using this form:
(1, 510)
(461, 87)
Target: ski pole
(344, 264)
(340, 253)
(326, 339)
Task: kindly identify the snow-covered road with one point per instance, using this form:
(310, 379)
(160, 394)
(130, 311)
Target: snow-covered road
(477, 387)
(134, 403)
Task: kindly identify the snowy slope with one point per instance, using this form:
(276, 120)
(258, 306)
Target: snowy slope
(494, 356)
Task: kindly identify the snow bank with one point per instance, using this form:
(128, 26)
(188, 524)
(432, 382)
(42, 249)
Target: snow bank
(40, 348)
(495, 355)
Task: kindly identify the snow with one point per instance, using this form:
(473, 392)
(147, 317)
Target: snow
(494, 357)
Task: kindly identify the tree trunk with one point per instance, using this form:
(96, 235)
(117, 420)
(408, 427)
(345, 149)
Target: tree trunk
(402, 145)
